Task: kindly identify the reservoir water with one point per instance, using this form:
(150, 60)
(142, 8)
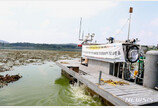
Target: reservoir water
(43, 85)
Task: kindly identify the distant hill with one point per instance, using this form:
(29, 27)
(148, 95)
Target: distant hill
(2, 41)
(33, 46)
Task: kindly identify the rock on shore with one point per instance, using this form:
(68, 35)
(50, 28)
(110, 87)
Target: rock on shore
(4, 80)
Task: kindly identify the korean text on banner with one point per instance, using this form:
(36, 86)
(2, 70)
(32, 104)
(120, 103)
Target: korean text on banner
(106, 51)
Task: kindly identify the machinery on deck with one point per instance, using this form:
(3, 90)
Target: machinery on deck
(128, 64)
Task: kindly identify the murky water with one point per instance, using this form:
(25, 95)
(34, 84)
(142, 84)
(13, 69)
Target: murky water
(44, 85)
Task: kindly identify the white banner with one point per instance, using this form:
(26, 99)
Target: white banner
(106, 51)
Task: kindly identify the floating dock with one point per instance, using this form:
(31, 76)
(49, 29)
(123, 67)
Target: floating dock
(119, 95)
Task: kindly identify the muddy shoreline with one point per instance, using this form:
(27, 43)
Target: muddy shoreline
(11, 58)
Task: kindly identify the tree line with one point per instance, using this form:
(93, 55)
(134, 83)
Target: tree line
(34, 46)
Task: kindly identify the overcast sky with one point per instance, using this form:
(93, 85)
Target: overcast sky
(58, 21)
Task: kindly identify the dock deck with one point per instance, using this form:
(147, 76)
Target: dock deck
(131, 95)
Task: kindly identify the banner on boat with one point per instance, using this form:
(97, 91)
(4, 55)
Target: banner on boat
(107, 51)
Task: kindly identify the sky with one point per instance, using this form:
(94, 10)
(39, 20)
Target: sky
(58, 21)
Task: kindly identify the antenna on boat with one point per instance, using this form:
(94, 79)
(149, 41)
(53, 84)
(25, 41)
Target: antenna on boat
(80, 38)
(87, 38)
(82, 35)
(130, 11)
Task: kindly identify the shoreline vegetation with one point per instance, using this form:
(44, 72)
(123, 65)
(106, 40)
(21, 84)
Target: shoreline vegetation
(37, 46)
(11, 57)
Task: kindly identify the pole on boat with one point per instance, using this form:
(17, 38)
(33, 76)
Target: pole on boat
(118, 70)
(100, 73)
(80, 39)
(123, 71)
(130, 11)
(114, 69)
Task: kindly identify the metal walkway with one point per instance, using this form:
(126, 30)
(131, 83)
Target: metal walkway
(131, 94)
